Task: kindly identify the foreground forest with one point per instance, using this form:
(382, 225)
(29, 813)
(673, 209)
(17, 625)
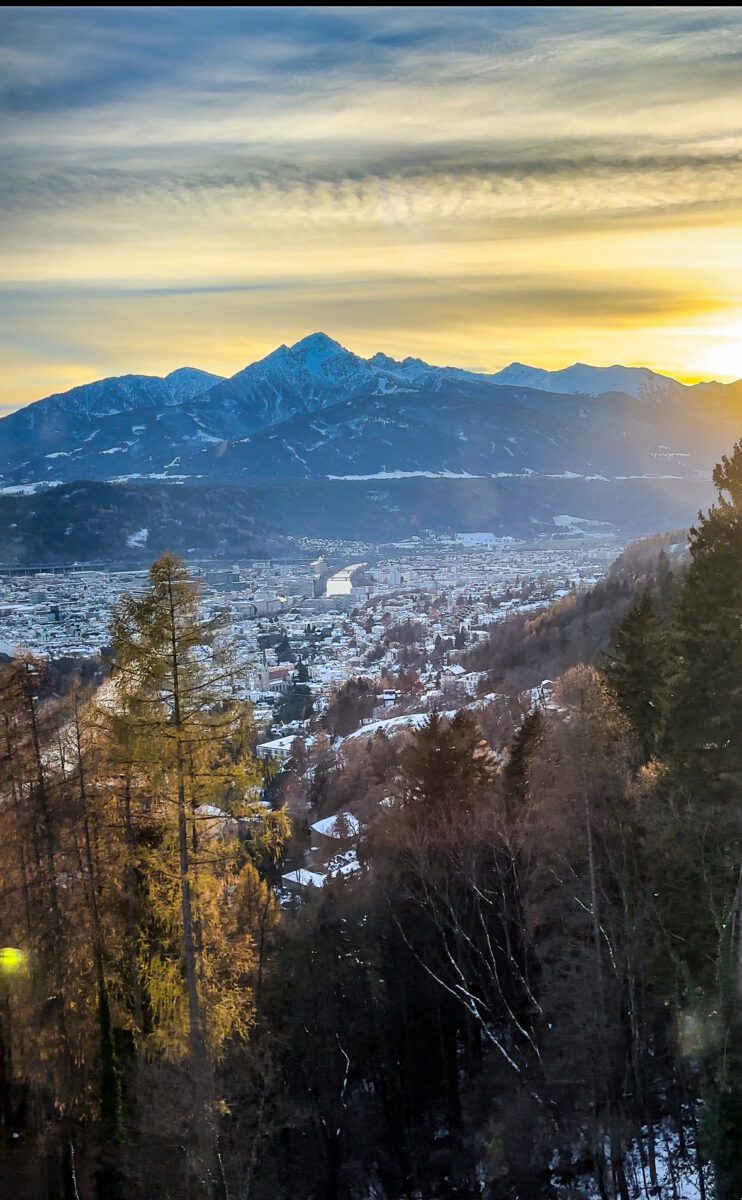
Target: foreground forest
(531, 990)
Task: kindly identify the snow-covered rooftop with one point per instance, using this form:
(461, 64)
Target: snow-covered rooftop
(304, 878)
(340, 825)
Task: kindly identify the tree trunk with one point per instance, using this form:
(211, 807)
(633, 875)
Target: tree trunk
(205, 1133)
(69, 1179)
(108, 1182)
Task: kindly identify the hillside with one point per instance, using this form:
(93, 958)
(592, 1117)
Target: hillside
(104, 521)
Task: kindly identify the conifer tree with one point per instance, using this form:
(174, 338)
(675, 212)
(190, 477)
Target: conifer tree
(53, 1030)
(442, 847)
(515, 772)
(635, 671)
(702, 886)
(188, 749)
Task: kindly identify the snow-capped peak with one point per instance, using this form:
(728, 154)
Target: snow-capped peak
(318, 344)
(585, 380)
(325, 359)
(185, 383)
(314, 373)
(383, 361)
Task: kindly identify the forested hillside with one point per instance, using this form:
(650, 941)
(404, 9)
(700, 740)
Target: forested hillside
(524, 983)
(580, 627)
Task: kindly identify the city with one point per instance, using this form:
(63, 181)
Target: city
(331, 622)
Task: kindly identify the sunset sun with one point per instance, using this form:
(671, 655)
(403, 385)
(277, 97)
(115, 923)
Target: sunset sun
(725, 357)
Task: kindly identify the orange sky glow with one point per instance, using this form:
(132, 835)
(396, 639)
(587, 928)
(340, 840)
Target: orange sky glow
(470, 186)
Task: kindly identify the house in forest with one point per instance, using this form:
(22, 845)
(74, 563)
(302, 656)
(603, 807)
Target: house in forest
(333, 832)
(302, 880)
(279, 749)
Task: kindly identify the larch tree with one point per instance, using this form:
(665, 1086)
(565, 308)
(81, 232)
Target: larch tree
(43, 910)
(193, 779)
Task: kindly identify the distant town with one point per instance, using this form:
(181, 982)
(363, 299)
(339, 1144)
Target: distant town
(313, 625)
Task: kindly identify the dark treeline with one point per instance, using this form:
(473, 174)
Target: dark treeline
(532, 991)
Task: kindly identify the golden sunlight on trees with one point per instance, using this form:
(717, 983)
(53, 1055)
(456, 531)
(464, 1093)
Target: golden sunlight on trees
(132, 895)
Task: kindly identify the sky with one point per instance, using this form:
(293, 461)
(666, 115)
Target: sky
(194, 186)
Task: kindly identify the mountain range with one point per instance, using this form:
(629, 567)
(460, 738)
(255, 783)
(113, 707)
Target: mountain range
(316, 412)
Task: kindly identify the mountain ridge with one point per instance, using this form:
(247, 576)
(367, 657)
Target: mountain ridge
(577, 379)
(315, 411)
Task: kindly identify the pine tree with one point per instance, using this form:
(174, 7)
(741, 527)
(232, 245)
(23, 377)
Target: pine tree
(443, 850)
(445, 769)
(515, 772)
(580, 880)
(702, 892)
(635, 671)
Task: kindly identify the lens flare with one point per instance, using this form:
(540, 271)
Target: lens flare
(12, 962)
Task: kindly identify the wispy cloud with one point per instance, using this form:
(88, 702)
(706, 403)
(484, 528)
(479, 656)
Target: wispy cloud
(433, 175)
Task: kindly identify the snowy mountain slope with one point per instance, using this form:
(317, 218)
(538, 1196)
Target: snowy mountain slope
(188, 382)
(312, 374)
(58, 423)
(449, 426)
(117, 394)
(315, 410)
(583, 380)
(441, 427)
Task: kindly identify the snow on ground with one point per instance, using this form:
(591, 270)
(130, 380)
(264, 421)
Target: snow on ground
(303, 878)
(139, 538)
(412, 475)
(344, 864)
(540, 696)
(396, 724)
(565, 521)
(483, 539)
(677, 1174)
(29, 489)
(151, 475)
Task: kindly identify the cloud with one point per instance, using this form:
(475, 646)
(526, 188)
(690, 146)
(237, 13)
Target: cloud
(518, 161)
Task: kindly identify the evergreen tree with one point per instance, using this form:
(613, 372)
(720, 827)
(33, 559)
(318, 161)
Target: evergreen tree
(702, 886)
(283, 649)
(583, 884)
(515, 773)
(635, 671)
(443, 848)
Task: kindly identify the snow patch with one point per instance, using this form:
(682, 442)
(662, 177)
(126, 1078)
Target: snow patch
(140, 538)
(411, 475)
